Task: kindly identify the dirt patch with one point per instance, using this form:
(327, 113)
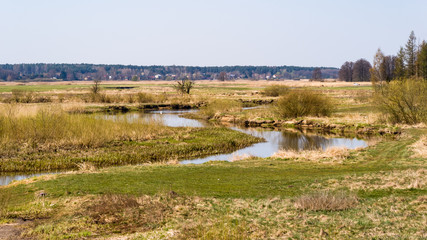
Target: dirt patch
(12, 231)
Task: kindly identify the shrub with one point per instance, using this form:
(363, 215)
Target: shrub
(326, 201)
(184, 86)
(275, 90)
(220, 106)
(303, 103)
(403, 101)
(145, 97)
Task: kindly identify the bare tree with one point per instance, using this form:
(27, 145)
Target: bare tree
(222, 76)
(346, 72)
(317, 75)
(96, 88)
(361, 71)
(184, 86)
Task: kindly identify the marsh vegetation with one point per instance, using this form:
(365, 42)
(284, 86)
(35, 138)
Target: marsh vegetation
(334, 193)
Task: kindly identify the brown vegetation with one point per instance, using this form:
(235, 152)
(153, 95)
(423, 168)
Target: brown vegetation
(301, 103)
(326, 201)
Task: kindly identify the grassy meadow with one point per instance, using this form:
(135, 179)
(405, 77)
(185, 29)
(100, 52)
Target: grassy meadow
(125, 182)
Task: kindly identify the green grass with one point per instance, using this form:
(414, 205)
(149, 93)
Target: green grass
(258, 178)
(251, 198)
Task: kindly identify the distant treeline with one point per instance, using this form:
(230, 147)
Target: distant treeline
(68, 72)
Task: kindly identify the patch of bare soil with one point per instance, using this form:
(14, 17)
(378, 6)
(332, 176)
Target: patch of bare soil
(12, 231)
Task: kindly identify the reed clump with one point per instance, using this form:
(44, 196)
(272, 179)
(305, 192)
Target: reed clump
(52, 126)
(219, 107)
(326, 201)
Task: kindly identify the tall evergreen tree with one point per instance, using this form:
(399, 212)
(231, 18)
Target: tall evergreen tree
(422, 61)
(399, 70)
(411, 55)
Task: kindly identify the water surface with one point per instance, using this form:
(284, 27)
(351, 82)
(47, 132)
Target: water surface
(274, 140)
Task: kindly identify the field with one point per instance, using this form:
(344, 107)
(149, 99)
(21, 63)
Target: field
(122, 180)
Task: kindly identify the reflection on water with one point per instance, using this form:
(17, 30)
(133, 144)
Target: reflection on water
(168, 118)
(282, 140)
(6, 179)
(274, 140)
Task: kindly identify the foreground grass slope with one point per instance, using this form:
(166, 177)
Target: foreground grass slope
(252, 198)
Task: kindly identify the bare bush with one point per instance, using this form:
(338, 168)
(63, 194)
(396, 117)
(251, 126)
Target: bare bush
(96, 87)
(275, 90)
(303, 103)
(184, 86)
(403, 101)
(326, 201)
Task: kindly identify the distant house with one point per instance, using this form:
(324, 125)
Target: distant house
(157, 76)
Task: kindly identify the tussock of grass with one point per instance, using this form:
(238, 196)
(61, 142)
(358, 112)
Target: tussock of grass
(420, 147)
(334, 154)
(275, 90)
(86, 167)
(326, 201)
(220, 106)
(240, 157)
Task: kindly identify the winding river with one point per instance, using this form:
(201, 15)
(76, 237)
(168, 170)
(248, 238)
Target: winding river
(274, 140)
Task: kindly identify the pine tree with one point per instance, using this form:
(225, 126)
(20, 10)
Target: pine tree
(411, 55)
(399, 71)
(422, 61)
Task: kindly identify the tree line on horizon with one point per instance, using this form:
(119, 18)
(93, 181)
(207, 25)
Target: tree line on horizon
(409, 62)
(68, 72)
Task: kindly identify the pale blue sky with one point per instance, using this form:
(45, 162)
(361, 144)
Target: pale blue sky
(206, 33)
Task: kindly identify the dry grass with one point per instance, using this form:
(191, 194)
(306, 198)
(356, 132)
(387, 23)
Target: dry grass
(420, 147)
(53, 127)
(326, 201)
(334, 154)
(86, 167)
(398, 179)
(240, 157)
(216, 218)
(129, 214)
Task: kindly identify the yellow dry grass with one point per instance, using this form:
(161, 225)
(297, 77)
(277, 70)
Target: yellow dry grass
(330, 155)
(240, 157)
(399, 179)
(420, 147)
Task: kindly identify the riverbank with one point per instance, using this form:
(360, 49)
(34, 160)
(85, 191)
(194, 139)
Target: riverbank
(249, 198)
(51, 140)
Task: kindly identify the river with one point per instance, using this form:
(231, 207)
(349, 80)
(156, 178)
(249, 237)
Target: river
(274, 140)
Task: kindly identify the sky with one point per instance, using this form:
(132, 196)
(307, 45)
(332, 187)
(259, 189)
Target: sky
(206, 32)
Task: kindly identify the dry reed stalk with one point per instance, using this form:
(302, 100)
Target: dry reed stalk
(335, 154)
